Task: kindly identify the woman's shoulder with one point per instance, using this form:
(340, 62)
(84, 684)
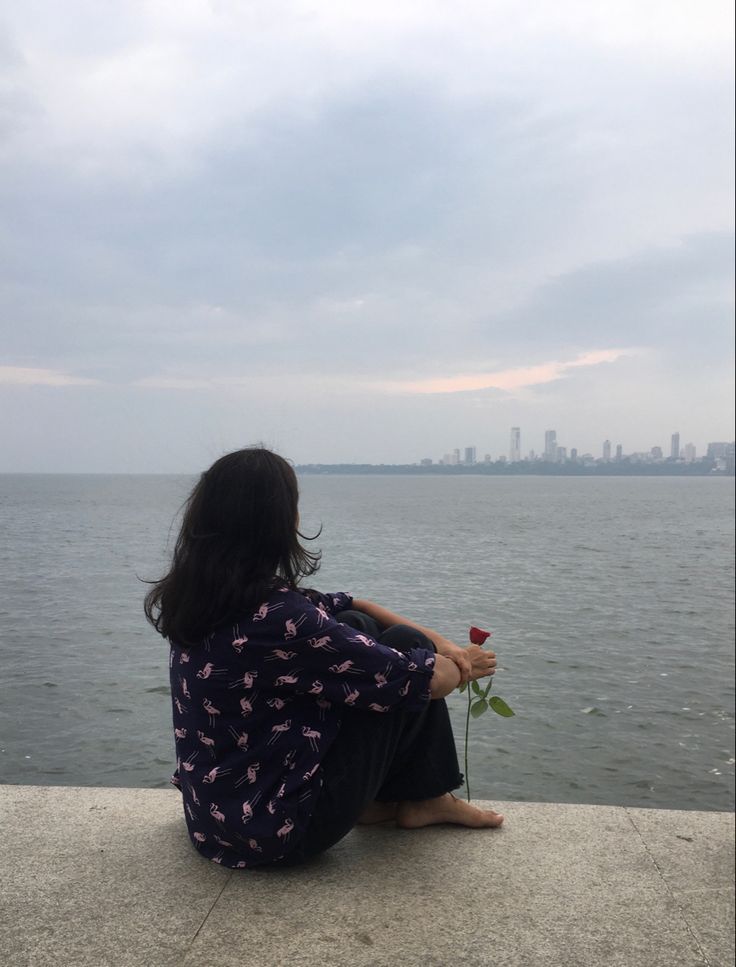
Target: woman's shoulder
(298, 597)
(332, 603)
(281, 611)
(274, 608)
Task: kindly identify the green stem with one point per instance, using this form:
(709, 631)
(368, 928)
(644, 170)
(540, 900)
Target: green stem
(467, 732)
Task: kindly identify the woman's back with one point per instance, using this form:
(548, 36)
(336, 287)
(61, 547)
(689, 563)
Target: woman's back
(256, 707)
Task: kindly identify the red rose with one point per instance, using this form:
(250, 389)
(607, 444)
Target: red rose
(478, 636)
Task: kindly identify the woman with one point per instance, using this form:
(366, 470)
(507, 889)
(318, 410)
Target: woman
(296, 714)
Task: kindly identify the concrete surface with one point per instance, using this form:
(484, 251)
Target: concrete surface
(107, 878)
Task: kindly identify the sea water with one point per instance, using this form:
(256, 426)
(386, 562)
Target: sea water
(611, 603)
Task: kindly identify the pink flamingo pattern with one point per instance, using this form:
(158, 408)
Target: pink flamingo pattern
(287, 671)
(241, 738)
(214, 774)
(246, 706)
(209, 669)
(281, 654)
(351, 695)
(292, 626)
(266, 609)
(325, 642)
(250, 776)
(311, 735)
(246, 681)
(238, 641)
(284, 832)
(207, 741)
(211, 711)
(278, 730)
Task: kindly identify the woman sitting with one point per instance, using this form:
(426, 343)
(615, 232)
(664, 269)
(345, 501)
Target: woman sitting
(296, 714)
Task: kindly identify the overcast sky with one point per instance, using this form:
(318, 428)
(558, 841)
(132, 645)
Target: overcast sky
(362, 231)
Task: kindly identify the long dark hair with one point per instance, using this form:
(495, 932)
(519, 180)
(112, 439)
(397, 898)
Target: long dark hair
(239, 538)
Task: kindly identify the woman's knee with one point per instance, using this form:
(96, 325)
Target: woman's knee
(404, 637)
(359, 621)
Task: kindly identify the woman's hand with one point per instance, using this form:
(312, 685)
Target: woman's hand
(459, 655)
(482, 662)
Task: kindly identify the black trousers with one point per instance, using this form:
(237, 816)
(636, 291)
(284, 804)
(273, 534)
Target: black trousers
(384, 757)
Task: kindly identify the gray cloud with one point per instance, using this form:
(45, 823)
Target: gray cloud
(671, 299)
(199, 199)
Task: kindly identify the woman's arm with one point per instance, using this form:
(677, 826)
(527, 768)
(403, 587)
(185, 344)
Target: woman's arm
(472, 662)
(386, 618)
(446, 677)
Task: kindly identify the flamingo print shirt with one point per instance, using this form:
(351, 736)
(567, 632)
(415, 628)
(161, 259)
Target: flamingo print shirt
(256, 708)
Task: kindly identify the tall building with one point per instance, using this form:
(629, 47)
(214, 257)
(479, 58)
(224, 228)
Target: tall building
(718, 450)
(469, 456)
(515, 445)
(561, 455)
(675, 450)
(607, 451)
(574, 454)
(656, 453)
(689, 452)
(550, 445)
(455, 459)
(723, 455)
(619, 453)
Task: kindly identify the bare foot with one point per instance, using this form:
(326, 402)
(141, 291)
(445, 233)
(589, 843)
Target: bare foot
(378, 812)
(445, 809)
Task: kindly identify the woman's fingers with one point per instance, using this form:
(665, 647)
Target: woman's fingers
(485, 665)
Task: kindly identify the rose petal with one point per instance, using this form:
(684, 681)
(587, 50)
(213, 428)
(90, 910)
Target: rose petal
(478, 636)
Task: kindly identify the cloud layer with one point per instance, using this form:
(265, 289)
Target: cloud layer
(300, 210)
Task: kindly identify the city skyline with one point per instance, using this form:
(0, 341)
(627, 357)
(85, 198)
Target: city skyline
(552, 452)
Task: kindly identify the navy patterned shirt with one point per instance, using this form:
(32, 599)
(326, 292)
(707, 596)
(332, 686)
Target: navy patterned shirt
(256, 708)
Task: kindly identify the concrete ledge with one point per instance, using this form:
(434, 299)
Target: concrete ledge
(107, 878)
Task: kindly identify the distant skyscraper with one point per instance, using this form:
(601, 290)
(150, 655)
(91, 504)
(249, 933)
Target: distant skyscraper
(561, 454)
(675, 450)
(719, 451)
(455, 459)
(574, 454)
(656, 453)
(689, 452)
(619, 453)
(469, 456)
(607, 451)
(515, 445)
(550, 445)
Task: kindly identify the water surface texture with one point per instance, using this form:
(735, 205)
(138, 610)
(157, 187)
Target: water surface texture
(611, 602)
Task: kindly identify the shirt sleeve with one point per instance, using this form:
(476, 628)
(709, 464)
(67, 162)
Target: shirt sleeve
(308, 652)
(333, 604)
